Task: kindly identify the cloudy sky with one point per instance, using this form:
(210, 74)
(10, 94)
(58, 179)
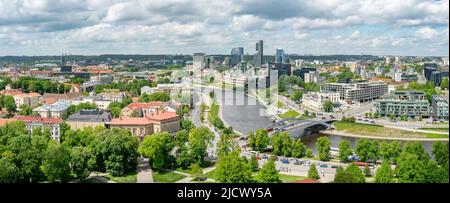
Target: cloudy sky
(379, 27)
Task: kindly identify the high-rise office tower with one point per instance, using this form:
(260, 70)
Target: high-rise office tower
(199, 61)
(63, 59)
(258, 57)
(280, 57)
(237, 56)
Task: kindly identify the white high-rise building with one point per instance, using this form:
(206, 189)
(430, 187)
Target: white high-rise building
(388, 60)
(199, 61)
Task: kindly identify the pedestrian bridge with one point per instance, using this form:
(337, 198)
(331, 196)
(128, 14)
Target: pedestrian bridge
(297, 128)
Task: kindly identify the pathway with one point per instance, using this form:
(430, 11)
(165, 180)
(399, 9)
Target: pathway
(144, 172)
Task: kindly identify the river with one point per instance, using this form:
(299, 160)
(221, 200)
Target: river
(245, 114)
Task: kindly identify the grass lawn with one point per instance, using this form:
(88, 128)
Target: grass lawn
(131, 177)
(289, 178)
(211, 174)
(378, 130)
(166, 176)
(435, 129)
(289, 114)
(280, 104)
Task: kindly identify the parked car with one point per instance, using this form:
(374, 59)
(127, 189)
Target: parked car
(285, 161)
(333, 166)
(307, 163)
(264, 156)
(297, 162)
(323, 166)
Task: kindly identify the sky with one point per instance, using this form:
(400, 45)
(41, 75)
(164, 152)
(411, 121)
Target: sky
(319, 27)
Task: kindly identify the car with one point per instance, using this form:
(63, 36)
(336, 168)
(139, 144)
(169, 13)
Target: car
(264, 156)
(372, 121)
(307, 163)
(333, 166)
(258, 158)
(323, 166)
(296, 162)
(285, 161)
(243, 138)
(276, 158)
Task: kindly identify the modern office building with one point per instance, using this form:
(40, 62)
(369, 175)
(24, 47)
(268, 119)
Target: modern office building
(428, 69)
(439, 107)
(413, 104)
(280, 57)
(435, 78)
(237, 56)
(199, 61)
(258, 58)
(301, 72)
(280, 69)
(360, 91)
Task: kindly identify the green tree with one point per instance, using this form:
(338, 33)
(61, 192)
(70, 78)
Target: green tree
(417, 148)
(25, 110)
(268, 173)
(328, 106)
(313, 173)
(232, 169)
(410, 169)
(440, 152)
(199, 139)
(323, 148)
(183, 158)
(281, 143)
(367, 171)
(158, 96)
(350, 175)
(367, 150)
(384, 174)
(9, 103)
(157, 149)
(259, 140)
(82, 162)
(434, 173)
(297, 95)
(298, 149)
(196, 171)
(56, 163)
(344, 150)
(390, 151)
(254, 163)
(309, 152)
(116, 151)
(9, 173)
(444, 83)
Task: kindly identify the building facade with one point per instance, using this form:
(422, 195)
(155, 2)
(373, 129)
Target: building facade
(55, 110)
(439, 107)
(413, 104)
(316, 100)
(89, 118)
(361, 91)
(33, 123)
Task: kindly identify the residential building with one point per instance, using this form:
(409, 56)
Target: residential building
(113, 95)
(55, 110)
(34, 122)
(413, 104)
(360, 91)
(29, 99)
(89, 118)
(138, 109)
(439, 107)
(311, 77)
(93, 99)
(316, 100)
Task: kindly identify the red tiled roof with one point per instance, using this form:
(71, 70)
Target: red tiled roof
(39, 119)
(164, 115)
(4, 121)
(306, 181)
(131, 121)
(11, 92)
(139, 105)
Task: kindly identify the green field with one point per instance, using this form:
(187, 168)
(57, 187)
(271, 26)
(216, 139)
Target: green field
(290, 178)
(289, 114)
(435, 129)
(166, 177)
(378, 130)
(131, 177)
(211, 174)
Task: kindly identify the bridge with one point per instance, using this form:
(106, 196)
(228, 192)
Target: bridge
(297, 128)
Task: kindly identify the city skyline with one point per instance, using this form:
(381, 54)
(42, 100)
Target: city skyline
(48, 27)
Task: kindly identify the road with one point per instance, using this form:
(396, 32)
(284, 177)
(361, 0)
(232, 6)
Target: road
(144, 172)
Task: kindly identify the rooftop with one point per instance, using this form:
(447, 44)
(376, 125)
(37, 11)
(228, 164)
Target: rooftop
(139, 105)
(58, 106)
(131, 121)
(93, 115)
(35, 119)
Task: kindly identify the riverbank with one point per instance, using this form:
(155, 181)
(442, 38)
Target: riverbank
(345, 134)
